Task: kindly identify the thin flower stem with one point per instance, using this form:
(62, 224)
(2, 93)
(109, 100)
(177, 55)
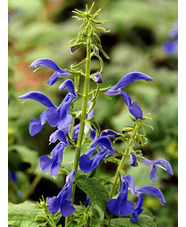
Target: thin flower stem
(122, 162)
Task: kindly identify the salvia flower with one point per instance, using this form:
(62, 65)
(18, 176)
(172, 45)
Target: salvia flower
(157, 162)
(56, 116)
(86, 163)
(125, 80)
(133, 159)
(63, 200)
(134, 109)
(121, 205)
(170, 46)
(46, 62)
(97, 77)
(139, 191)
(110, 133)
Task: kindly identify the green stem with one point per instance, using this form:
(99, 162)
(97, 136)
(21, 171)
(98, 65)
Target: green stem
(122, 162)
(83, 118)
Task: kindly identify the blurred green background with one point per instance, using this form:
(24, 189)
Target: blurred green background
(42, 29)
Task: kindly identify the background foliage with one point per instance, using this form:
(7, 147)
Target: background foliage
(42, 29)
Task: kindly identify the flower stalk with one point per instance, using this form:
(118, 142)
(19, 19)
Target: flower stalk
(122, 162)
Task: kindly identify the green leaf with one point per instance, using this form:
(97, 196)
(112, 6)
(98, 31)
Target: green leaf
(96, 192)
(23, 214)
(73, 224)
(143, 221)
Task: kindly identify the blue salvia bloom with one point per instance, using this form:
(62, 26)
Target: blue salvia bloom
(63, 200)
(97, 77)
(53, 164)
(109, 134)
(87, 164)
(139, 191)
(170, 46)
(46, 62)
(125, 80)
(133, 159)
(56, 116)
(121, 205)
(134, 109)
(154, 164)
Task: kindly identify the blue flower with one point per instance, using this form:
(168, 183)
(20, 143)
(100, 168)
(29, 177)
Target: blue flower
(121, 205)
(63, 200)
(86, 163)
(134, 109)
(56, 116)
(139, 191)
(53, 164)
(51, 64)
(125, 80)
(97, 77)
(133, 159)
(170, 46)
(154, 164)
(109, 134)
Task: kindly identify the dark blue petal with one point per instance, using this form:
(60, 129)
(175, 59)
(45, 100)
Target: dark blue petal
(151, 190)
(76, 131)
(87, 201)
(133, 159)
(98, 158)
(53, 78)
(68, 84)
(135, 110)
(53, 204)
(153, 173)
(55, 168)
(109, 134)
(57, 153)
(52, 116)
(104, 141)
(70, 177)
(92, 134)
(138, 209)
(58, 135)
(34, 127)
(65, 122)
(39, 97)
(46, 62)
(97, 77)
(125, 80)
(126, 97)
(128, 179)
(114, 206)
(126, 208)
(85, 163)
(45, 163)
(90, 152)
(67, 209)
(65, 105)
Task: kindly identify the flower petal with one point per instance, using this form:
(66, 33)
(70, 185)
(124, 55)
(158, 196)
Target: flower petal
(125, 80)
(58, 135)
(34, 127)
(128, 179)
(67, 209)
(133, 159)
(39, 97)
(85, 163)
(65, 122)
(103, 141)
(151, 190)
(53, 78)
(55, 168)
(68, 84)
(153, 173)
(45, 163)
(46, 62)
(70, 177)
(113, 206)
(109, 134)
(97, 77)
(53, 116)
(138, 209)
(126, 208)
(135, 110)
(53, 204)
(126, 97)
